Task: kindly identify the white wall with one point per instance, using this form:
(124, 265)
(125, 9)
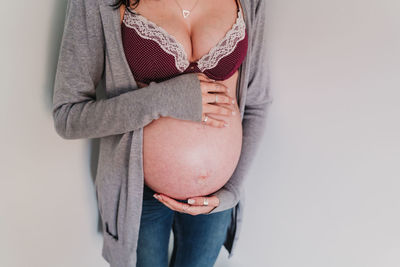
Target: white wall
(323, 190)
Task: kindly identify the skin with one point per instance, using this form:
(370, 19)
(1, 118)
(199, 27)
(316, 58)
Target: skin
(193, 209)
(205, 34)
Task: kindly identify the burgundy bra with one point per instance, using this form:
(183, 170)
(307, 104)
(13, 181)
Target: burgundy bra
(155, 55)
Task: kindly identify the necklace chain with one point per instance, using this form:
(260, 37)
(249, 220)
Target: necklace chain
(186, 12)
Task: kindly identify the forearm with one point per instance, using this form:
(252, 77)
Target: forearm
(179, 97)
(76, 111)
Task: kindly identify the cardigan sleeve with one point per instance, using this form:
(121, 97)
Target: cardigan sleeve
(77, 113)
(254, 120)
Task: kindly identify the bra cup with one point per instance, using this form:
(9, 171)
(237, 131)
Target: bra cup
(234, 60)
(153, 56)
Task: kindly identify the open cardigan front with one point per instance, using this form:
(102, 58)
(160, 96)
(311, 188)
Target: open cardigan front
(91, 51)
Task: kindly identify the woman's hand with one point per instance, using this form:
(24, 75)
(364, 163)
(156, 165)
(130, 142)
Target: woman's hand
(141, 85)
(213, 94)
(195, 207)
(219, 96)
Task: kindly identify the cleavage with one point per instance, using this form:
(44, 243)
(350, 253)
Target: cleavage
(179, 44)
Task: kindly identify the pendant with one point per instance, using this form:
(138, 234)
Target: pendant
(186, 13)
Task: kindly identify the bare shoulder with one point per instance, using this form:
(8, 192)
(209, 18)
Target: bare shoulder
(122, 11)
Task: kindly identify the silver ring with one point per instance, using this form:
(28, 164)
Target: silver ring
(205, 202)
(216, 98)
(205, 118)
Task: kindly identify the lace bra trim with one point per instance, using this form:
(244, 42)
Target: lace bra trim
(150, 30)
(225, 46)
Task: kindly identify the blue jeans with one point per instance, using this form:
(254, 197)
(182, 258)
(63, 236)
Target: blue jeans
(197, 239)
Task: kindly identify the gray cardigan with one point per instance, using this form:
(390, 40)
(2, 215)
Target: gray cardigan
(91, 50)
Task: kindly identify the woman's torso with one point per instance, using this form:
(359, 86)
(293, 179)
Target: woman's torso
(184, 158)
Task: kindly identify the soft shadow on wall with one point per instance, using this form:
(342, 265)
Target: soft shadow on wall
(54, 43)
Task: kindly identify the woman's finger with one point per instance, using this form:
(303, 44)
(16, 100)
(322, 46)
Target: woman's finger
(196, 210)
(183, 207)
(218, 109)
(219, 98)
(172, 203)
(204, 77)
(167, 204)
(141, 84)
(215, 87)
(199, 201)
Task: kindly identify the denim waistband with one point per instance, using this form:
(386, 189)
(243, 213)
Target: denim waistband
(148, 194)
(147, 191)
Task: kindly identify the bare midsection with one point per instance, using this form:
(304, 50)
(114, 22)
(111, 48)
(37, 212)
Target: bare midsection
(184, 158)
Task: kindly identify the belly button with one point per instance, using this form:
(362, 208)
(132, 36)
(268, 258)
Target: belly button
(202, 179)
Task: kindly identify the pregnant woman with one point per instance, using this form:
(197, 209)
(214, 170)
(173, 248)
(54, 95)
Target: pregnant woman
(183, 159)
(185, 105)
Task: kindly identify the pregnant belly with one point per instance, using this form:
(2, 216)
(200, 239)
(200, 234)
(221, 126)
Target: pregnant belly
(185, 159)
